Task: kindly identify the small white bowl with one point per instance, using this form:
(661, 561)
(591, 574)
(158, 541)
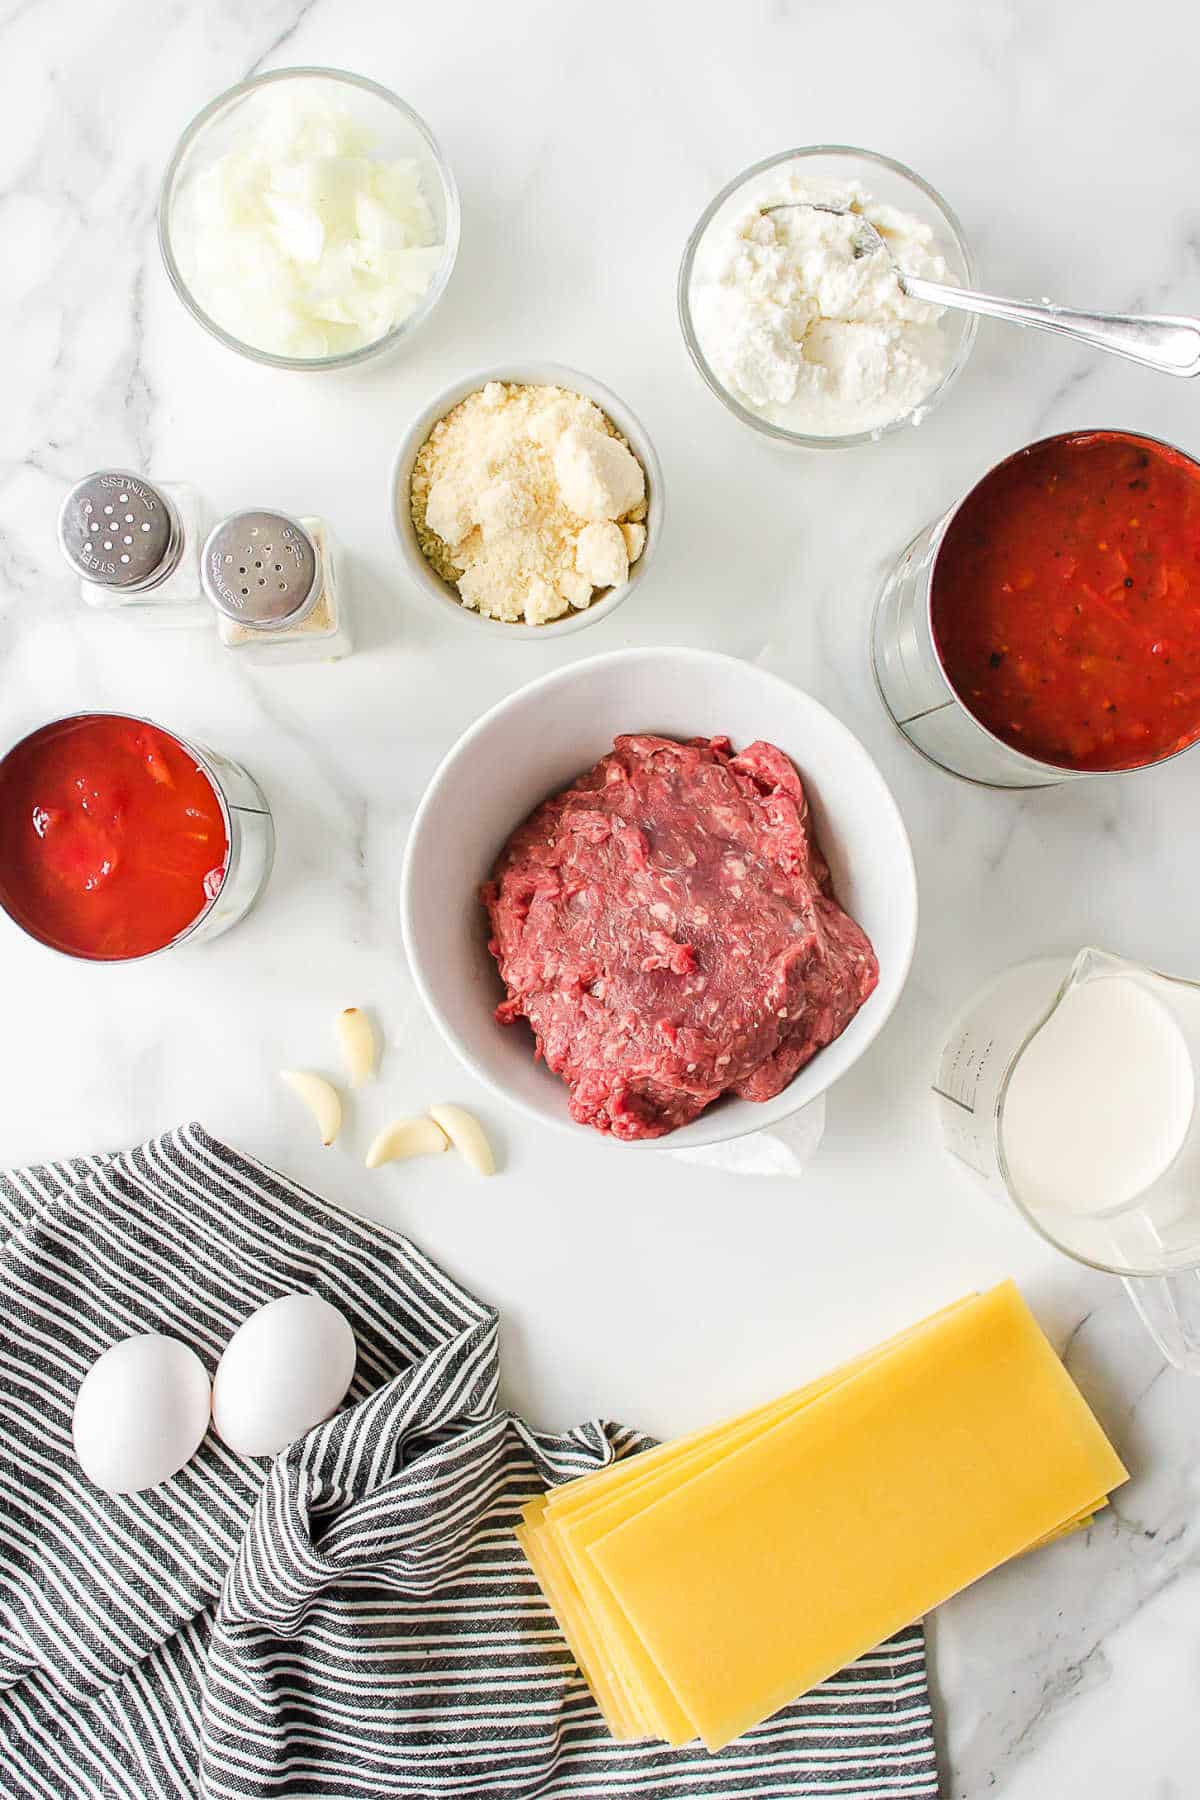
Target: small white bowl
(536, 374)
(535, 743)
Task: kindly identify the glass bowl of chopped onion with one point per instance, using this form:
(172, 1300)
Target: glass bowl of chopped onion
(308, 219)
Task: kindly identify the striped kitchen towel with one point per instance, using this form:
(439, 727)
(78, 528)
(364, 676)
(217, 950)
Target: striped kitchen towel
(354, 1620)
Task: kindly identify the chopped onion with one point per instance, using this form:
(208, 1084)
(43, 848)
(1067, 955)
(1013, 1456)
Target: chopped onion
(300, 241)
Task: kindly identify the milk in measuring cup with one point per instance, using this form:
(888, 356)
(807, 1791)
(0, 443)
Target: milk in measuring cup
(1099, 1103)
(1071, 1088)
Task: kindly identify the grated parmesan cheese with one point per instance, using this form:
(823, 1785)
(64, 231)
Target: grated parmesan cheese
(529, 501)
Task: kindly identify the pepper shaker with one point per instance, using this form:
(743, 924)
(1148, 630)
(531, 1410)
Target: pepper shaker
(275, 584)
(136, 543)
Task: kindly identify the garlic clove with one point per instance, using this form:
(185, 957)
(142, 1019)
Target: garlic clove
(467, 1135)
(404, 1138)
(357, 1040)
(321, 1098)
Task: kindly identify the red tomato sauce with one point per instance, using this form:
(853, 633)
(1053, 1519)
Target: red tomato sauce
(1066, 601)
(112, 840)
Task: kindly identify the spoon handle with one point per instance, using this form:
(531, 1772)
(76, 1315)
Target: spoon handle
(1169, 344)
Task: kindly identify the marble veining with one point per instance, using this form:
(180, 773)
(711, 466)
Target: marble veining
(585, 145)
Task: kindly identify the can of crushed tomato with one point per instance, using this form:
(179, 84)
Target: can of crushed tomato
(1046, 627)
(120, 839)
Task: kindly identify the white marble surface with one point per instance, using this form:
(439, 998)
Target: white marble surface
(585, 142)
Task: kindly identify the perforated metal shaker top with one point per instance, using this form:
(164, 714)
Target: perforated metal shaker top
(119, 531)
(261, 569)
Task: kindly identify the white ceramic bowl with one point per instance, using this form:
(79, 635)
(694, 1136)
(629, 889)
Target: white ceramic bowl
(425, 576)
(535, 743)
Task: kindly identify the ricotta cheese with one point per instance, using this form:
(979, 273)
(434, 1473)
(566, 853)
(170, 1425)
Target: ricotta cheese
(805, 333)
(529, 501)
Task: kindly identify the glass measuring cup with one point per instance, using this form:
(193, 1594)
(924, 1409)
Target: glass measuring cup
(1069, 1087)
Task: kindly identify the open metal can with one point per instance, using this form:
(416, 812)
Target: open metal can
(234, 798)
(911, 675)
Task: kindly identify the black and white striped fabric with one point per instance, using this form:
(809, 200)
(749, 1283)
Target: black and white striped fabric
(354, 1621)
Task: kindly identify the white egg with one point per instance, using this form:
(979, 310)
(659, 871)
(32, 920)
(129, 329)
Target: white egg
(141, 1412)
(284, 1370)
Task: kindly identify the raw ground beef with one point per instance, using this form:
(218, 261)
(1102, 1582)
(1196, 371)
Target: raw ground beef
(668, 928)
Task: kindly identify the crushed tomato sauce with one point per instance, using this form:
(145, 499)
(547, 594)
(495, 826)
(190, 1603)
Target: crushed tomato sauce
(1066, 601)
(112, 840)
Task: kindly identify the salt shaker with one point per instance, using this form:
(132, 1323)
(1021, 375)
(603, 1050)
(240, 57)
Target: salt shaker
(136, 543)
(275, 584)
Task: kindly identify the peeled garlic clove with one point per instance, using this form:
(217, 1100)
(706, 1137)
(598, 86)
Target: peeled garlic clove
(466, 1134)
(405, 1138)
(357, 1040)
(321, 1098)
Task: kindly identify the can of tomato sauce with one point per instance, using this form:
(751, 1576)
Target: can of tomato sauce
(1047, 627)
(120, 839)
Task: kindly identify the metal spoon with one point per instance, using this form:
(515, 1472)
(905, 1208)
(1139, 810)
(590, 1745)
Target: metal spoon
(1155, 339)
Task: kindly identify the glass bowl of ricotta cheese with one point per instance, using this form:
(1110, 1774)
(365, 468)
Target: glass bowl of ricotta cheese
(308, 219)
(799, 333)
